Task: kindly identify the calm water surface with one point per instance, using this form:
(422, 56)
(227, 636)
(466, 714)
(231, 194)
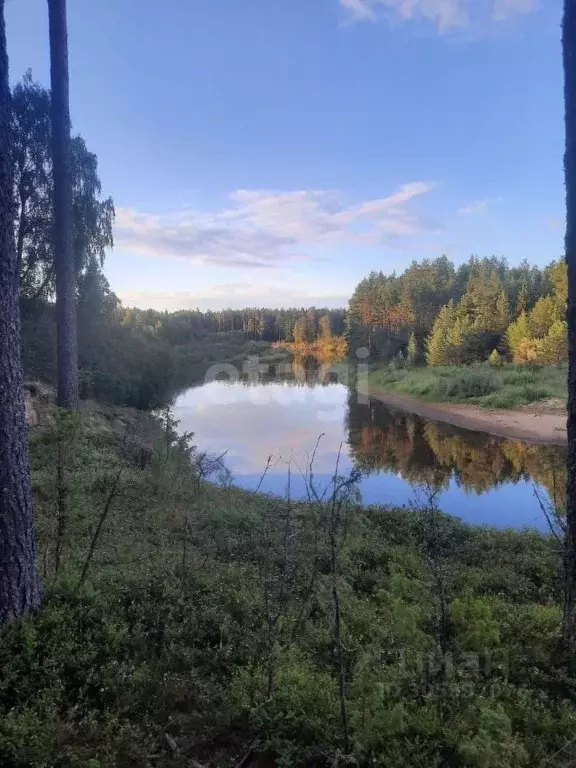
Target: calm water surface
(480, 478)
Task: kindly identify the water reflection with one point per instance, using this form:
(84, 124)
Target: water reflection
(282, 411)
(424, 451)
(307, 371)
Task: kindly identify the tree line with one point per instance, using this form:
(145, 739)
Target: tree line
(258, 323)
(140, 358)
(441, 314)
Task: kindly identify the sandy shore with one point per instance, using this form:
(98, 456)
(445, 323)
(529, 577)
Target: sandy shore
(537, 423)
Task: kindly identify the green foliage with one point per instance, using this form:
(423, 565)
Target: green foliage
(543, 315)
(92, 216)
(553, 348)
(142, 358)
(494, 745)
(495, 359)
(518, 331)
(474, 625)
(412, 351)
(542, 337)
(442, 338)
(385, 310)
(203, 630)
(502, 312)
(301, 720)
(504, 387)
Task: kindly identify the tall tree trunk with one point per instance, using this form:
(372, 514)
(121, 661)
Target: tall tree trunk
(19, 583)
(67, 340)
(569, 56)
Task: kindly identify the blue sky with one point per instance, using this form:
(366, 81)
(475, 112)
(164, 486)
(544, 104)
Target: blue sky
(274, 151)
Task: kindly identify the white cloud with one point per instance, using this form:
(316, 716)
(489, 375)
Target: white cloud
(358, 8)
(446, 15)
(263, 229)
(477, 206)
(503, 10)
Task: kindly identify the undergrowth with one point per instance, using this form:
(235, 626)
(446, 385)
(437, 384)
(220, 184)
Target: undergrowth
(507, 387)
(217, 627)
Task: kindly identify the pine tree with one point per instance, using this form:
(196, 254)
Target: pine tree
(19, 583)
(517, 331)
(412, 350)
(559, 277)
(502, 313)
(528, 351)
(522, 300)
(554, 346)
(300, 330)
(324, 327)
(457, 337)
(437, 347)
(495, 359)
(543, 316)
(66, 319)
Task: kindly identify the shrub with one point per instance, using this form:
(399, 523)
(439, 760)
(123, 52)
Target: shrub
(470, 383)
(474, 626)
(300, 719)
(495, 359)
(494, 745)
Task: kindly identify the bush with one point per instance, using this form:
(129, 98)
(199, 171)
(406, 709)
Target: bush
(469, 383)
(300, 720)
(495, 359)
(519, 376)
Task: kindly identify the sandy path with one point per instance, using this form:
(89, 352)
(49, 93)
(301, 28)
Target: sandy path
(533, 423)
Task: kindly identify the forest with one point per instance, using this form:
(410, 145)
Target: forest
(438, 314)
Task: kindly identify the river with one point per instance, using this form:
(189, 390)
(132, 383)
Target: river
(278, 417)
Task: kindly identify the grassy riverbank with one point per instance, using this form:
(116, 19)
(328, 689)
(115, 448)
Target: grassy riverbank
(507, 387)
(213, 624)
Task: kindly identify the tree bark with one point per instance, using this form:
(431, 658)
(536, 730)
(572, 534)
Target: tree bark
(19, 583)
(569, 59)
(66, 321)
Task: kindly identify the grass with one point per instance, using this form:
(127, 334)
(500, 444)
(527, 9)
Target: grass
(205, 630)
(507, 387)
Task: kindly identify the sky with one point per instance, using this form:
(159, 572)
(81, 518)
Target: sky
(273, 152)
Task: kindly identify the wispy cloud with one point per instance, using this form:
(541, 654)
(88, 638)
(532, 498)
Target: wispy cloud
(360, 9)
(263, 229)
(446, 15)
(478, 206)
(235, 296)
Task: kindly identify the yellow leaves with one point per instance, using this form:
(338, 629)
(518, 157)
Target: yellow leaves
(517, 332)
(554, 346)
(544, 314)
(495, 359)
(551, 349)
(527, 352)
(559, 276)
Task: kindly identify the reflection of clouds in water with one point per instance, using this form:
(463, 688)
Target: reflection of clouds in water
(253, 422)
(483, 479)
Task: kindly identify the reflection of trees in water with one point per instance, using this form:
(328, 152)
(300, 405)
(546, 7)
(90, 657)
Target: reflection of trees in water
(308, 371)
(432, 452)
